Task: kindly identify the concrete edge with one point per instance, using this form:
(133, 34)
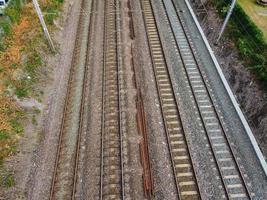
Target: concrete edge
(229, 91)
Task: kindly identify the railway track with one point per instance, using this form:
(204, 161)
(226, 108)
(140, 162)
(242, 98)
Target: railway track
(184, 172)
(234, 182)
(112, 164)
(63, 184)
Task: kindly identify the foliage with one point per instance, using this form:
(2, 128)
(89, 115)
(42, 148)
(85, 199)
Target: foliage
(5, 26)
(51, 10)
(248, 38)
(21, 41)
(13, 11)
(6, 179)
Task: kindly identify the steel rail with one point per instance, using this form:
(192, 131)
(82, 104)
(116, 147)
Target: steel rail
(68, 94)
(148, 183)
(83, 102)
(212, 102)
(118, 50)
(103, 108)
(176, 103)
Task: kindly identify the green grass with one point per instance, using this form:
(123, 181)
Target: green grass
(248, 38)
(22, 92)
(24, 88)
(4, 135)
(25, 85)
(52, 10)
(33, 62)
(5, 30)
(6, 177)
(16, 126)
(5, 25)
(9, 180)
(257, 13)
(12, 15)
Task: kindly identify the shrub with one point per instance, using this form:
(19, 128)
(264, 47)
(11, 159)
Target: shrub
(51, 10)
(33, 62)
(13, 11)
(248, 38)
(6, 27)
(4, 135)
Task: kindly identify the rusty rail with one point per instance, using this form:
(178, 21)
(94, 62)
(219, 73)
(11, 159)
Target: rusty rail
(144, 145)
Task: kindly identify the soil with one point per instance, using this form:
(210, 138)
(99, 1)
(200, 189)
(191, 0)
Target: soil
(52, 82)
(250, 93)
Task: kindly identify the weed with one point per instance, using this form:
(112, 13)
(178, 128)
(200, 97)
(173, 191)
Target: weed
(7, 179)
(33, 62)
(5, 26)
(16, 126)
(13, 11)
(52, 9)
(51, 14)
(34, 121)
(4, 135)
(21, 92)
(36, 110)
(2, 69)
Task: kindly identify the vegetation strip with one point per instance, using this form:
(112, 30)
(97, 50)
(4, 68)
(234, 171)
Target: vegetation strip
(248, 38)
(21, 46)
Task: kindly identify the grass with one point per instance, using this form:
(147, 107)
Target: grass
(6, 178)
(21, 44)
(10, 127)
(248, 38)
(257, 13)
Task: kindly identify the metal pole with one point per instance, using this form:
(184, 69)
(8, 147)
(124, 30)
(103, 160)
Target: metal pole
(41, 18)
(229, 13)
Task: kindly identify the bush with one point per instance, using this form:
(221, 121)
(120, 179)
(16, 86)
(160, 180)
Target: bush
(248, 38)
(5, 27)
(51, 10)
(22, 92)
(12, 15)
(4, 135)
(6, 179)
(33, 62)
(13, 11)
(51, 14)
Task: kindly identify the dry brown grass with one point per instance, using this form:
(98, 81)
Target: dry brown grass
(17, 42)
(12, 59)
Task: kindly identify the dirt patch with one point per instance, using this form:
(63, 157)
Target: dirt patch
(248, 90)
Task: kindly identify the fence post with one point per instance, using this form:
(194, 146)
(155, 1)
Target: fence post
(229, 13)
(41, 18)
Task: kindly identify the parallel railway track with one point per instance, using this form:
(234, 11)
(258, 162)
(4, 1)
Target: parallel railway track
(230, 172)
(65, 170)
(184, 172)
(112, 180)
(229, 169)
(112, 165)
